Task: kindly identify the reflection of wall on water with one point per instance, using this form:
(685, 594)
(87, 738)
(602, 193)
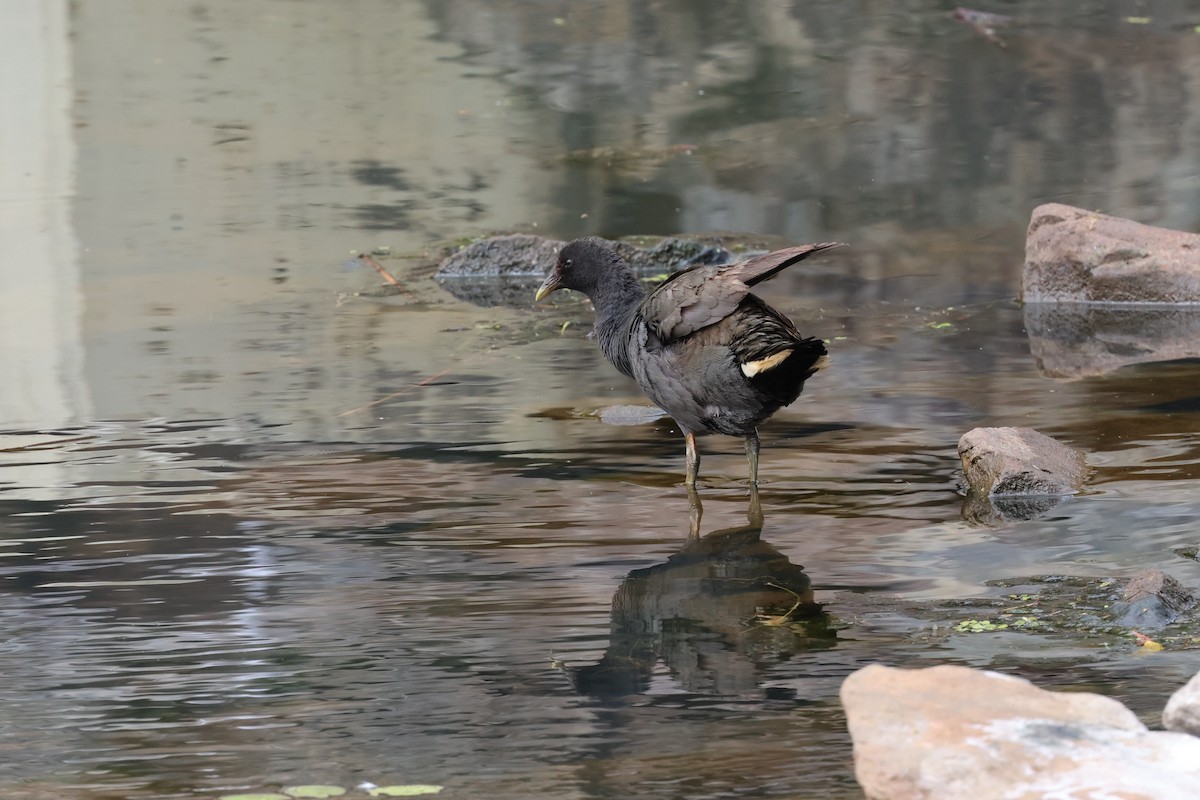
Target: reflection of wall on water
(40, 304)
(230, 155)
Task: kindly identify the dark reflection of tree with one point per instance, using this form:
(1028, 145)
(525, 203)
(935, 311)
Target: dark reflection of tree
(717, 614)
(129, 563)
(842, 115)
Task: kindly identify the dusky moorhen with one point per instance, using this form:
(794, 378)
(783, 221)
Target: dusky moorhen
(700, 345)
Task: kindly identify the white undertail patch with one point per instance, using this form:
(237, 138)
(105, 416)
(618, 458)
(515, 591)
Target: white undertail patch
(752, 368)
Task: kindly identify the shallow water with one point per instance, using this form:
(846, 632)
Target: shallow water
(262, 525)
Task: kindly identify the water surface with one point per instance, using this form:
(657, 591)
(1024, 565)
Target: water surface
(261, 525)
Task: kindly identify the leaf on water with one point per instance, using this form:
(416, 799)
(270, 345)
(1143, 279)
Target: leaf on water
(255, 796)
(316, 790)
(1138, 20)
(979, 626)
(629, 415)
(412, 790)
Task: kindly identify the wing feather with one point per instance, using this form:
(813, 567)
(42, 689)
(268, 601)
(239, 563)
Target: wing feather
(768, 265)
(691, 300)
(700, 296)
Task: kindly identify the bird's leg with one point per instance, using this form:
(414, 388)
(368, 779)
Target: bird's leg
(693, 458)
(752, 455)
(754, 514)
(695, 512)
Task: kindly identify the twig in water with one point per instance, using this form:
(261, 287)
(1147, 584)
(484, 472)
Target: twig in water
(785, 617)
(373, 403)
(387, 276)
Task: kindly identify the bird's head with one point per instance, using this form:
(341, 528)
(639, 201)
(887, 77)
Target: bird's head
(581, 265)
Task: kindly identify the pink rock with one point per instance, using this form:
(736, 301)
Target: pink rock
(952, 732)
(1073, 255)
(1019, 461)
(1183, 709)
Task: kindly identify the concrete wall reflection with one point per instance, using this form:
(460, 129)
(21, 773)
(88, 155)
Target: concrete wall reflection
(41, 352)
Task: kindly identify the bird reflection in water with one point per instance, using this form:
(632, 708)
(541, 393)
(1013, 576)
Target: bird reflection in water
(718, 614)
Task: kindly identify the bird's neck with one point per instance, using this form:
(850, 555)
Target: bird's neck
(617, 303)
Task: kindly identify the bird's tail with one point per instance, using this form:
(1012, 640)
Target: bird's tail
(767, 266)
(784, 379)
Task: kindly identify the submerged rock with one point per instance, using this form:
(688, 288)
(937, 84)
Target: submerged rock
(1019, 461)
(953, 732)
(1182, 713)
(506, 270)
(1152, 599)
(1074, 255)
(1075, 340)
(674, 253)
(1080, 608)
(509, 291)
(520, 255)
(1088, 607)
(526, 255)
(1191, 551)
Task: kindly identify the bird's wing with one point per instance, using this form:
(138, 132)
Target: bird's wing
(768, 265)
(701, 296)
(690, 300)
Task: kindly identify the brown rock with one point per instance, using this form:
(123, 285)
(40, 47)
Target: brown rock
(1019, 461)
(1182, 713)
(1073, 255)
(953, 732)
